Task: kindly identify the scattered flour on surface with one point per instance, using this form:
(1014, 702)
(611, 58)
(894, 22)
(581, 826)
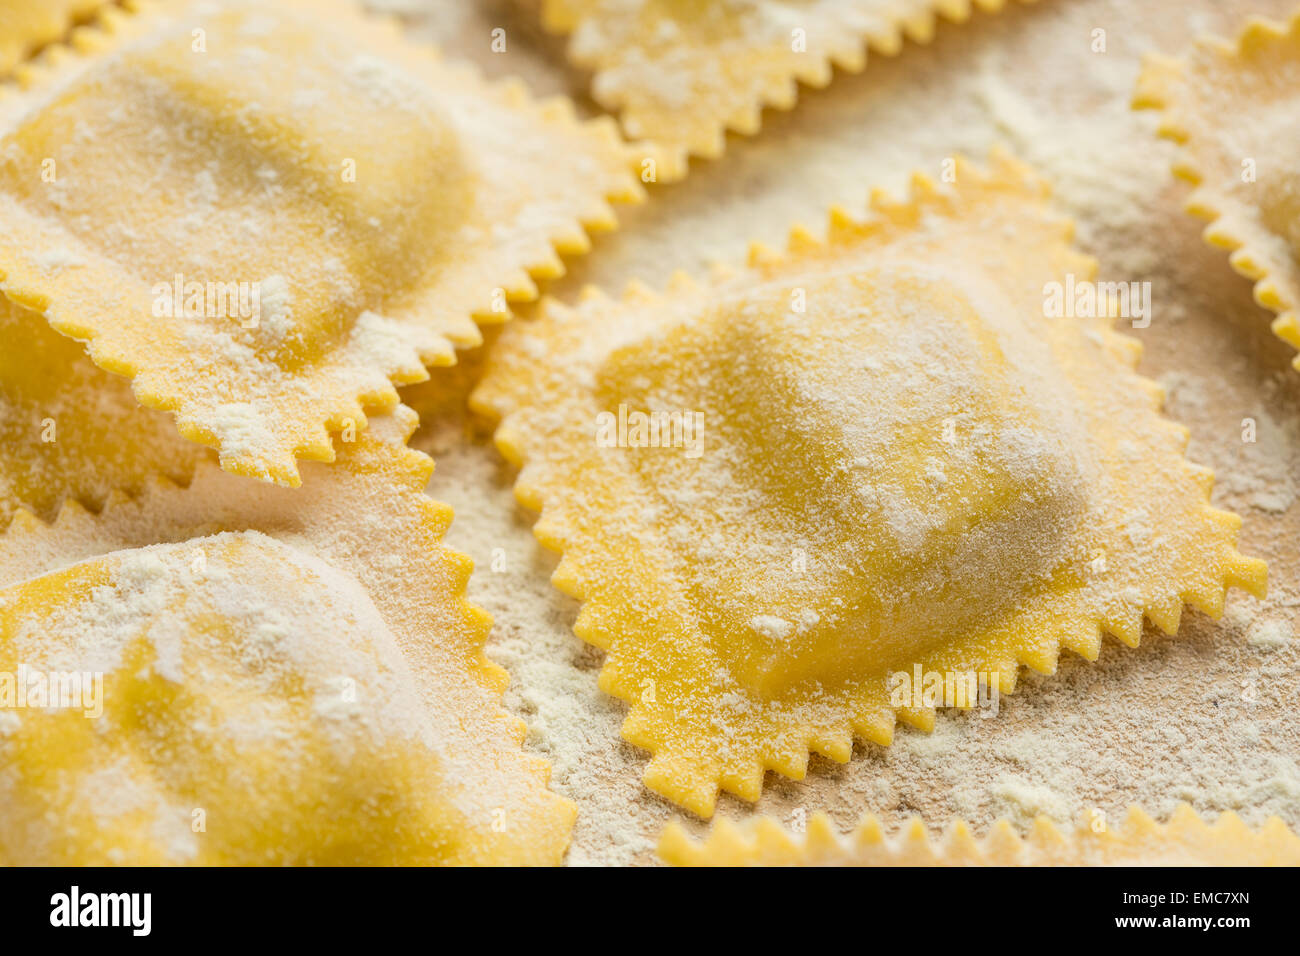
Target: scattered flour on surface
(1168, 721)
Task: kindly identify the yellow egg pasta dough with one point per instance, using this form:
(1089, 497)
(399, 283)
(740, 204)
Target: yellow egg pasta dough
(854, 481)
(68, 429)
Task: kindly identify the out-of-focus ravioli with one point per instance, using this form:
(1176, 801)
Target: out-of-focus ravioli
(297, 210)
(681, 73)
(1235, 109)
(1138, 840)
(28, 25)
(236, 673)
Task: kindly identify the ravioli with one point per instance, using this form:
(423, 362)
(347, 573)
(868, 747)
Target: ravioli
(300, 210)
(873, 456)
(1234, 108)
(28, 25)
(681, 73)
(1186, 840)
(236, 673)
(70, 429)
